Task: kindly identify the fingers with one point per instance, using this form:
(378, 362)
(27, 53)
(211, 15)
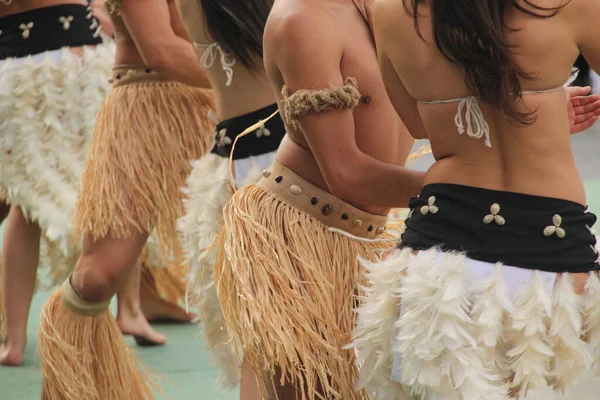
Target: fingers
(573, 91)
(586, 104)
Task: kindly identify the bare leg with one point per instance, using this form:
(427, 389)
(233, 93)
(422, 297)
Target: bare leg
(156, 308)
(248, 385)
(130, 317)
(20, 258)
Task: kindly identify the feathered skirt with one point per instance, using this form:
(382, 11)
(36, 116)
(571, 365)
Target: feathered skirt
(48, 105)
(207, 191)
(492, 295)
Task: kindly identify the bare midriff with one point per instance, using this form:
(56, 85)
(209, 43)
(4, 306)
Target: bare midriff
(379, 131)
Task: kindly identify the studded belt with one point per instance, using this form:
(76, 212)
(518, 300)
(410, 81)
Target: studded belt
(126, 74)
(520, 230)
(319, 204)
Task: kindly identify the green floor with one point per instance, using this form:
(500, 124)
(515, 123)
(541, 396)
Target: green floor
(183, 362)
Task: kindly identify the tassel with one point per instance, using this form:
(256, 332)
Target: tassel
(83, 354)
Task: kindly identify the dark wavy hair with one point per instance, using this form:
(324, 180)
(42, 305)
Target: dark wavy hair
(470, 34)
(238, 25)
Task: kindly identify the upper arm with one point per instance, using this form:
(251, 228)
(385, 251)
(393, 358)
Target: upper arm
(585, 19)
(150, 24)
(308, 56)
(386, 25)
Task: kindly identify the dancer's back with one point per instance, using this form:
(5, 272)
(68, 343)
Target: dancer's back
(249, 88)
(312, 44)
(151, 33)
(533, 159)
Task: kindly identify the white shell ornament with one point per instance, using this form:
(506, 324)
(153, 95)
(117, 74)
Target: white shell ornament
(66, 22)
(295, 189)
(494, 216)
(555, 228)
(26, 28)
(430, 207)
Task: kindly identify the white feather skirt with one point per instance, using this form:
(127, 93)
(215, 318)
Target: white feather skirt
(48, 106)
(207, 191)
(441, 326)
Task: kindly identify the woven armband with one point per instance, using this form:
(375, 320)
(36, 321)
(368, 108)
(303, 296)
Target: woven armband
(304, 101)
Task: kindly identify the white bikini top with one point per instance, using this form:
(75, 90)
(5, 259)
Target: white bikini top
(210, 55)
(476, 125)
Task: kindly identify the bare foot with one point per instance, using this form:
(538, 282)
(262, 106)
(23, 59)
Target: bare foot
(157, 309)
(141, 330)
(11, 356)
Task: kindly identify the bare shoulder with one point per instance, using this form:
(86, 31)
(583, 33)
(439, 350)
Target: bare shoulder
(297, 26)
(388, 17)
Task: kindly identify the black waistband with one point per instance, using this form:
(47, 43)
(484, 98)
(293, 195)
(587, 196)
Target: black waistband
(49, 28)
(265, 139)
(516, 229)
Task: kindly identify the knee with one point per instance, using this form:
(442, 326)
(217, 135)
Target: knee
(96, 279)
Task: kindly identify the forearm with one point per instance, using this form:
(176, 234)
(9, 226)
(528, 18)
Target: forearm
(179, 62)
(378, 184)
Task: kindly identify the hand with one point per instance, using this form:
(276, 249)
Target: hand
(101, 15)
(583, 111)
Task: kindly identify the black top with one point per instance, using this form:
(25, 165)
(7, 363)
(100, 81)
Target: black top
(520, 231)
(46, 29)
(256, 143)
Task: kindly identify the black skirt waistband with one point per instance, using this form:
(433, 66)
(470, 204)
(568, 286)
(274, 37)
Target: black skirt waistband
(265, 139)
(48, 28)
(520, 230)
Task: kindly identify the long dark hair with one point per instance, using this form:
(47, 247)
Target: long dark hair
(470, 34)
(238, 25)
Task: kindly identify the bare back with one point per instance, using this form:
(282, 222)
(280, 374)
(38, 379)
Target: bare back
(378, 130)
(248, 91)
(535, 159)
(127, 51)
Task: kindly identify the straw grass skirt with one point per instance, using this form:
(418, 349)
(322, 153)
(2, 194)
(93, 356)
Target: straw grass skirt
(147, 132)
(287, 284)
(83, 353)
(207, 191)
(48, 105)
(442, 326)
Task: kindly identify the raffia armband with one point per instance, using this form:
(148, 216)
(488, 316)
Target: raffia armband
(304, 101)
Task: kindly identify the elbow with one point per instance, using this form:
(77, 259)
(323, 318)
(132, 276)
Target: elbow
(156, 63)
(344, 183)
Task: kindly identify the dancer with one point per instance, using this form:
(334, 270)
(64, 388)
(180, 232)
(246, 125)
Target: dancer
(244, 97)
(53, 76)
(147, 131)
(494, 292)
(287, 268)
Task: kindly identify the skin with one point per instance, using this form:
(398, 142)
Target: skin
(356, 155)
(250, 90)
(146, 32)
(536, 159)
(21, 245)
(334, 148)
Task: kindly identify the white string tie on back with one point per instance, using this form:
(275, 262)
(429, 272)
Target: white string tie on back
(214, 51)
(477, 127)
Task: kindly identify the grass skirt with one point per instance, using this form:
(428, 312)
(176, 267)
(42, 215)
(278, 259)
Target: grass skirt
(147, 132)
(48, 104)
(207, 192)
(437, 326)
(287, 284)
